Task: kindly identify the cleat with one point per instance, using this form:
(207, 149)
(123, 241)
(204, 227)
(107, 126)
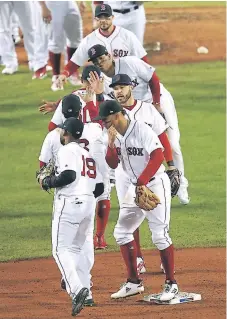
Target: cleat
(89, 302)
(78, 301)
(140, 265)
(128, 289)
(10, 70)
(170, 291)
(40, 73)
(183, 194)
(99, 242)
(54, 86)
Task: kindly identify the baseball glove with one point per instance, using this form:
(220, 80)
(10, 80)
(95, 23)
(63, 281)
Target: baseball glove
(145, 198)
(174, 176)
(45, 171)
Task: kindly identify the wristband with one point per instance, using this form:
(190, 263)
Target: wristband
(100, 97)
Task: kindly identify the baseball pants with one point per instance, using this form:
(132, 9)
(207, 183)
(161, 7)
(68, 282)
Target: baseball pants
(72, 222)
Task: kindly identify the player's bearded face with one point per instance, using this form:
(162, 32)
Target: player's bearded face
(122, 93)
(104, 22)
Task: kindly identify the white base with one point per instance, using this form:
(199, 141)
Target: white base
(181, 297)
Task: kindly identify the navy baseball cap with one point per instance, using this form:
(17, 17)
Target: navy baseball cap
(108, 108)
(73, 126)
(96, 51)
(71, 105)
(103, 9)
(88, 69)
(120, 79)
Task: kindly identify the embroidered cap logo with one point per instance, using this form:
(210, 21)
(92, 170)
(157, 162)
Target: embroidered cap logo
(103, 7)
(93, 51)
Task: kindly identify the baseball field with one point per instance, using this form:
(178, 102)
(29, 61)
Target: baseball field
(29, 277)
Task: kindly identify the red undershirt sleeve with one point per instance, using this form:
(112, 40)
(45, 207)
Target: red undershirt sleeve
(41, 164)
(112, 157)
(51, 126)
(70, 68)
(145, 59)
(156, 159)
(154, 85)
(167, 148)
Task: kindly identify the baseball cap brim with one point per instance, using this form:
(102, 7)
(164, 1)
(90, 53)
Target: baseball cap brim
(118, 83)
(98, 118)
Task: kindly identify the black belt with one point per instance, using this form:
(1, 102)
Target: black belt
(152, 179)
(126, 10)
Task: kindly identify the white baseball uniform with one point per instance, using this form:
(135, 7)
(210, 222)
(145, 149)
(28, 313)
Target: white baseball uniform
(23, 9)
(140, 74)
(74, 209)
(134, 149)
(120, 43)
(129, 15)
(90, 140)
(66, 25)
(41, 38)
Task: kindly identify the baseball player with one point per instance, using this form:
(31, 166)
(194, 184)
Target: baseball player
(139, 151)
(65, 24)
(71, 107)
(89, 111)
(76, 186)
(118, 41)
(129, 15)
(146, 87)
(144, 112)
(23, 9)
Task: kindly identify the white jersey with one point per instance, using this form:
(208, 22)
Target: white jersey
(73, 157)
(51, 146)
(139, 72)
(135, 147)
(90, 140)
(120, 43)
(147, 113)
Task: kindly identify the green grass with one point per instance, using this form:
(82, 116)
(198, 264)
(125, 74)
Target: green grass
(183, 4)
(25, 211)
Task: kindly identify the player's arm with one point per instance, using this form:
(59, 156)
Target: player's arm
(66, 177)
(167, 149)
(111, 155)
(153, 146)
(160, 126)
(78, 59)
(147, 73)
(46, 152)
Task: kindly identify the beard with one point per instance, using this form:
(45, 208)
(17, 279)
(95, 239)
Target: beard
(123, 99)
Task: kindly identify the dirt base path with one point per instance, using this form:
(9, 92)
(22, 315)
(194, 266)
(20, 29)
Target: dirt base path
(31, 290)
(180, 31)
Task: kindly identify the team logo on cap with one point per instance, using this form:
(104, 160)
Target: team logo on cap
(117, 77)
(70, 110)
(103, 7)
(93, 51)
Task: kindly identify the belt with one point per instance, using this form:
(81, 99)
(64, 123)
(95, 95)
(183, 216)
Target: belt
(126, 10)
(152, 179)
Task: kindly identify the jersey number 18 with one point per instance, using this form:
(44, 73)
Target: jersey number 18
(89, 167)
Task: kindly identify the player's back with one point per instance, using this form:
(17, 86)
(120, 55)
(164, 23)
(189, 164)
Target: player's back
(73, 157)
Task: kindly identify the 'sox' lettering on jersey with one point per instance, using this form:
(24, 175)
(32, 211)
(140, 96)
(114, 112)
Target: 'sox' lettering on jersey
(135, 151)
(118, 53)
